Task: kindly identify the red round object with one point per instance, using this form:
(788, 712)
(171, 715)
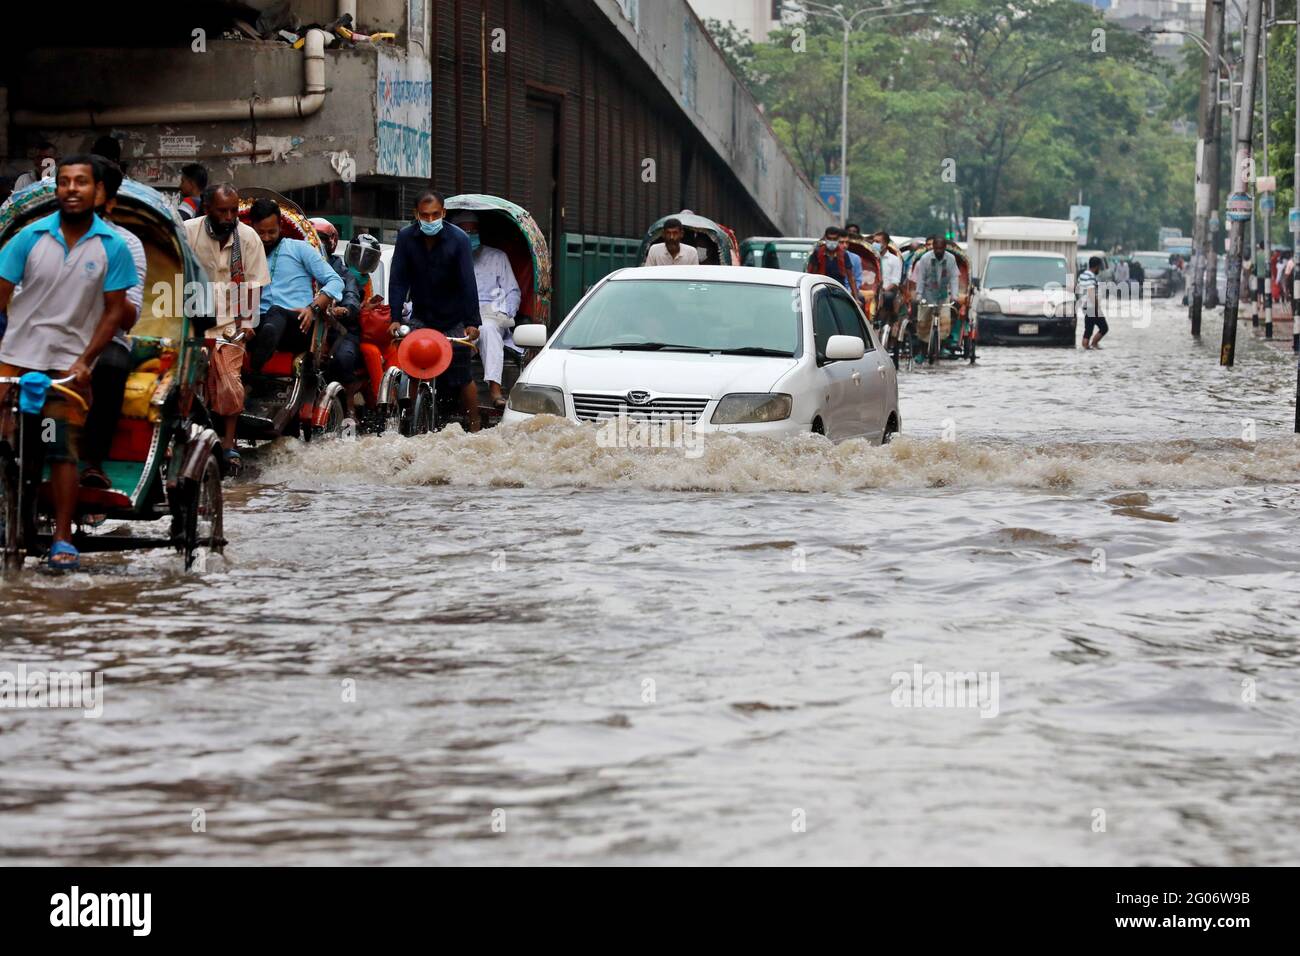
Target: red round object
(424, 354)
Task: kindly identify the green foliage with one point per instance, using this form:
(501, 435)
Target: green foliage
(1024, 100)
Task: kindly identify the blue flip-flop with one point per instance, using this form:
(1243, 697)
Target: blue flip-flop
(62, 549)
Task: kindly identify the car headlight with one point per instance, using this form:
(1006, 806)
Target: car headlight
(537, 400)
(751, 408)
(989, 306)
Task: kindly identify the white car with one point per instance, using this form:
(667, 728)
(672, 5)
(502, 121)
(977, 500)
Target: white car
(726, 348)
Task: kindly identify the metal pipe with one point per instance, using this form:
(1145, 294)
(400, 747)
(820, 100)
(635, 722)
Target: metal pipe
(209, 111)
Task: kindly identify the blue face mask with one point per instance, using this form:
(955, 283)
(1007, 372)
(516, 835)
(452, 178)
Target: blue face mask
(474, 241)
(875, 247)
(431, 228)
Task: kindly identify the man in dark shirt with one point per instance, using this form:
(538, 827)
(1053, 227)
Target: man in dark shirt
(433, 266)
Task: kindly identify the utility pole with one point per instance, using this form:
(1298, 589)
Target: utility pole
(1209, 106)
(1241, 171)
(1268, 237)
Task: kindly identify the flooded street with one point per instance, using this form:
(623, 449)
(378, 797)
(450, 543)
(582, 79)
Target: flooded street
(520, 647)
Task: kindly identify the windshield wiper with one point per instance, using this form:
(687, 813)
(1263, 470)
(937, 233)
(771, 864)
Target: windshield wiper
(756, 350)
(638, 347)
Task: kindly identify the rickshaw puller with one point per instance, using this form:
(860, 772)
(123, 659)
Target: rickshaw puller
(891, 275)
(74, 270)
(235, 262)
(498, 302)
(936, 278)
(433, 265)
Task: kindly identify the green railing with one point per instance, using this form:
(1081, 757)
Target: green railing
(582, 261)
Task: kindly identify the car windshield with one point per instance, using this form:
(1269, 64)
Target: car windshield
(792, 258)
(1153, 260)
(1024, 272)
(684, 315)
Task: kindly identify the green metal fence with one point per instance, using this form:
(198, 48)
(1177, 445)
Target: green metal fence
(582, 261)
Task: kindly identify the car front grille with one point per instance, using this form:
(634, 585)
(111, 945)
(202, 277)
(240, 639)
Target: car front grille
(592, 406)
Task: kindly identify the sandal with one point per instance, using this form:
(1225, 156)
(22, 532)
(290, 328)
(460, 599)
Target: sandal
(63, 557)
(230, 458)
(94, 477)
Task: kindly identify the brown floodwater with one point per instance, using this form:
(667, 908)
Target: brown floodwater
(523, 647)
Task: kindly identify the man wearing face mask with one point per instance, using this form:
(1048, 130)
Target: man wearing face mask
(832, 258)
(232, 256)
(891, 275)
(433, 265)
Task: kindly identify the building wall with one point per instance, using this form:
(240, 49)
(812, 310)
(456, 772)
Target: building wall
(650, 119)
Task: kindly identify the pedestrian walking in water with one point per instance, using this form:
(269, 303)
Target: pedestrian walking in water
(1090, 304)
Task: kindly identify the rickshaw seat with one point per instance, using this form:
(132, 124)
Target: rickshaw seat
(132, 440)
(280, 364)
(89, 500)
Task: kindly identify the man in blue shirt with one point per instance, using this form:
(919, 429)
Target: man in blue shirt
(434, 265)
(74, 271)
(289, 306)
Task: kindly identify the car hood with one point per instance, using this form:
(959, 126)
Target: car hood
(1037, 302)
(672, 373)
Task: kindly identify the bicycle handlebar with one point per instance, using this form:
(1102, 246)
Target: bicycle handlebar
(54, 381)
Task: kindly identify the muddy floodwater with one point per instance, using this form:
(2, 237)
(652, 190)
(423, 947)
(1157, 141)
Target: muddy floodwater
(524, 647)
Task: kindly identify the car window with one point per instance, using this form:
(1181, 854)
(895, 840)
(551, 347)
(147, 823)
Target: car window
(849, 320)
(824, 324)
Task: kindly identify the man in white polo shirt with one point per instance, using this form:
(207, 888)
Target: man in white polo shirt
(74, 271)
(671, 252)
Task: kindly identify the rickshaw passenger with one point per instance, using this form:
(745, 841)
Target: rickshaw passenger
(671, 251)
(74, 270)
(433, 266)
(235, 262)
(108, 381)
(346, 364)
(498, 302)
(289, 307)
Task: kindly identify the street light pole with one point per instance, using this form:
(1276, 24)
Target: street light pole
(1240, 171)
(850, 22)
(1204, 154)
(844, 130)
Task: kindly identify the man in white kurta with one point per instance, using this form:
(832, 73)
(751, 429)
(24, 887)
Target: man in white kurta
(498, 302)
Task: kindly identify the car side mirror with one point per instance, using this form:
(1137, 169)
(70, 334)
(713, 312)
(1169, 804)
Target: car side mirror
(530, 336)
(847, 348)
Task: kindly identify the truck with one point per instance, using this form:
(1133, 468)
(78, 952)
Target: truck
(1023, 273)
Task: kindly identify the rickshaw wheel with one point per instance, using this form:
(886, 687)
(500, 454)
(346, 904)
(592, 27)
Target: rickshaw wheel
(334, 421)
(422, 413)
(203, 512)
